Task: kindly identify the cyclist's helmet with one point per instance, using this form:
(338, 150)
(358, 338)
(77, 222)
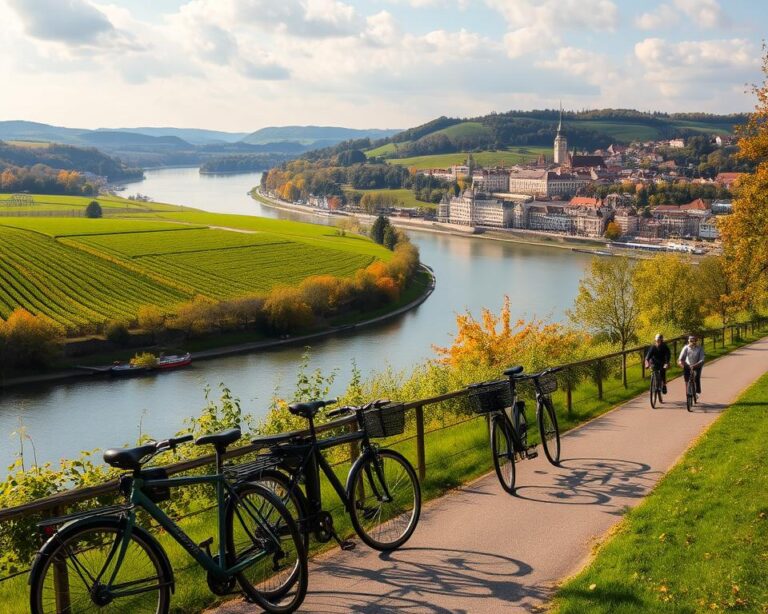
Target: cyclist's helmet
(659, 337)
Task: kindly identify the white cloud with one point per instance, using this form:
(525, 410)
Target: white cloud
(74, 22)
(663, 16)
(701, 68)
(706, 13)
(595, 68)
(558, 15)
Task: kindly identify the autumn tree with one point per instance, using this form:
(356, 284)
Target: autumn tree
(286, 310)
(612, 231)
(28, 340)
(717, 289)
(606, 303)
(745, 232)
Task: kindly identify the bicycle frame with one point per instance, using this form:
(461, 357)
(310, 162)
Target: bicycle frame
(138, 498)
(312, 461)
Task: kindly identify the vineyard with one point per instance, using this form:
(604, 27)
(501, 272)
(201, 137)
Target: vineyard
(82, 272)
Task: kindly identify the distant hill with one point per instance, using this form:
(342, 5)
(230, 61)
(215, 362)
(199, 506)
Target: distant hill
(584, 130)
(195, 136)
(314, 136)
(132, 141)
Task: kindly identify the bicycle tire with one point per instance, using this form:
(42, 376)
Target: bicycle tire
(279, 593)
(503, 452)
(294, 499)
(142, 554)
(653, 390)
(364, 493)
(688, 398)
(549, 433)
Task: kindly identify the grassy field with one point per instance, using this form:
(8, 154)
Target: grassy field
(66, 204)
(81, 271)
(405, 197)
(384, 150)
(464, 129)
(506, 157)
(700, 540)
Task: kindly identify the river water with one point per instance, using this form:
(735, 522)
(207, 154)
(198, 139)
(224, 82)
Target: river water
(471, 273)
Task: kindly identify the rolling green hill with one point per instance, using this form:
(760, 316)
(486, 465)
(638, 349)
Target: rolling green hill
(83, 271)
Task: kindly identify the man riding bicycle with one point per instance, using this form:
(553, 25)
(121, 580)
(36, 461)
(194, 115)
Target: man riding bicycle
(692, 360)
(657, 357)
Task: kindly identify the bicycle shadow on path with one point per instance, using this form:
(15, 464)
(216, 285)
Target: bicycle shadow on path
(410, 579)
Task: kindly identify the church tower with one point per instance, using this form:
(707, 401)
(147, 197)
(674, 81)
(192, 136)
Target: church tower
(561, 143)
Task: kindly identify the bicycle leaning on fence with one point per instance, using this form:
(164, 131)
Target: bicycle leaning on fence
(382, 494)
(102, 559)
(509, 424)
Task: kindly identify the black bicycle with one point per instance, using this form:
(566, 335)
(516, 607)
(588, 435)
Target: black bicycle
(691, 397)
(102, 560)
(509, 424)
(382, 494)
(657, 387)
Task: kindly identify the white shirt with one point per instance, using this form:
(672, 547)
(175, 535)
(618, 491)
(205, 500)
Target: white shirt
(691, 355)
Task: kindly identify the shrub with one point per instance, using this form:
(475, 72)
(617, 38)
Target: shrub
(146, 360)
(286, 310)
(116, 331)
(27, 340)
(93, 210)
(151, 319)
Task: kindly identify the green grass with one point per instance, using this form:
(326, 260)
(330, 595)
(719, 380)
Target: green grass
(506, 157)
(56, 203)
(69, 227)
(700, 541)
(384, 150)
(464, 129)
(405, 197)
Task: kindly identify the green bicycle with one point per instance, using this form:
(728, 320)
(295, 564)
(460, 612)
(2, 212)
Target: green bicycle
(101, 560)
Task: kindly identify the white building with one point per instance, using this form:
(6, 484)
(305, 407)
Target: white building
(549, 218)
(561, 143)
(708, 228)
(492, 180)
(474, 208)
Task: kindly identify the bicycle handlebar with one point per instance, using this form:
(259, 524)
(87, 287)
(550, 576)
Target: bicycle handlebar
(342, 411)
(172, 442)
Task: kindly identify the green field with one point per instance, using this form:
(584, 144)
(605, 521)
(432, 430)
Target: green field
(700, 541)
(507, 157)
(405, 197)
(464, 129)
(384, 150)
(82, 271)
(66, 204)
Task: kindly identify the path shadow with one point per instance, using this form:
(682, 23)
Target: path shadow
(413, 577)
(594, 481)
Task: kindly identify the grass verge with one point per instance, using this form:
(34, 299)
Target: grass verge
(700, 540)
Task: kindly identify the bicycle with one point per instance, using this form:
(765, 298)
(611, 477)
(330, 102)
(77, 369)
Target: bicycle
(382, 495)
(509, 434)
(102, 559)
(691, 397)
(657, 387)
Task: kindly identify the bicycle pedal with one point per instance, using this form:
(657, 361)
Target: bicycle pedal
(529, 454)
(347, 545)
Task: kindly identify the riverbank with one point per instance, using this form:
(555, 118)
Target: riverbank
(426, 273)
(521, 237)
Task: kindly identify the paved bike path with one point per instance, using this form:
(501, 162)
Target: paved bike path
(478, 549)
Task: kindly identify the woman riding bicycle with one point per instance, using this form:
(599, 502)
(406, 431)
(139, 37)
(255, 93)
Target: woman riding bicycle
(658, 356)
(692, 360)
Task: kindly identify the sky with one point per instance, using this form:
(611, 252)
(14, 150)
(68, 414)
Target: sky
(240, 65)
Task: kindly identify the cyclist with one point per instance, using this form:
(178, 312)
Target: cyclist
(692, 360)
(658, 356)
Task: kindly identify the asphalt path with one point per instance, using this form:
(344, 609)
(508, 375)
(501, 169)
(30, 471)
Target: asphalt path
(478, 549)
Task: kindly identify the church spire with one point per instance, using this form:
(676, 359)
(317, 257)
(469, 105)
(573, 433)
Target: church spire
(560, 123)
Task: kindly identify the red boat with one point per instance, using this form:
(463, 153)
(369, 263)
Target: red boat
(174, 361)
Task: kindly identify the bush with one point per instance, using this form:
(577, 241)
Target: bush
(117, 332)
(151, 319)
(286, 310)
(93, 210)
(29, 341)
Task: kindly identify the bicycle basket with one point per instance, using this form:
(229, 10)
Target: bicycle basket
(492, 396)
(548, 383)
(384, 421)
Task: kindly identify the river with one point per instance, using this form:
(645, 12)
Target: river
(471, 273)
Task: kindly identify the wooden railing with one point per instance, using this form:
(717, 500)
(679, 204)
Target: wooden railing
(55, 504)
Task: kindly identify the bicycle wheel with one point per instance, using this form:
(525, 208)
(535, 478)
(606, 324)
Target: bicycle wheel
(385, 500)
(548, 429)
(293, 499)
(82, 560)
(688, 397)
(259, 526)
(503, 453)
(653, 390)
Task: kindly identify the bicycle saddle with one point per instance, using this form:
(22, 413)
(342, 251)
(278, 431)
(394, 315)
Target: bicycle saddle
(517, 370)
(266, 441)
(308, 410)
(220, 440)
(129, 458)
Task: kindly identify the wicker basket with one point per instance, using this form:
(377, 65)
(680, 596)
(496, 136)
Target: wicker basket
(384, 421)
(548, 383)
(493, 396)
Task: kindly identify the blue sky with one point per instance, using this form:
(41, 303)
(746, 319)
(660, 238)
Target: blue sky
(243, 64)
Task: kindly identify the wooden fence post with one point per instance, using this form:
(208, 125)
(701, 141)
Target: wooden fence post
(420, 448)
(599, 381)
(568, 395)
(642, 364)
(60, 579)
(624, 368)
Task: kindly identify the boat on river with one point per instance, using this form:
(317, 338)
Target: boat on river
(164, 363)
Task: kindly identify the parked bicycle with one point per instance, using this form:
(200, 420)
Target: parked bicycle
(509, 424)
(382, 494)
(103, 560)
(657, 388)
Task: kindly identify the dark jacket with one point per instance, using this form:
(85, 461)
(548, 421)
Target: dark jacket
(659, 355)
